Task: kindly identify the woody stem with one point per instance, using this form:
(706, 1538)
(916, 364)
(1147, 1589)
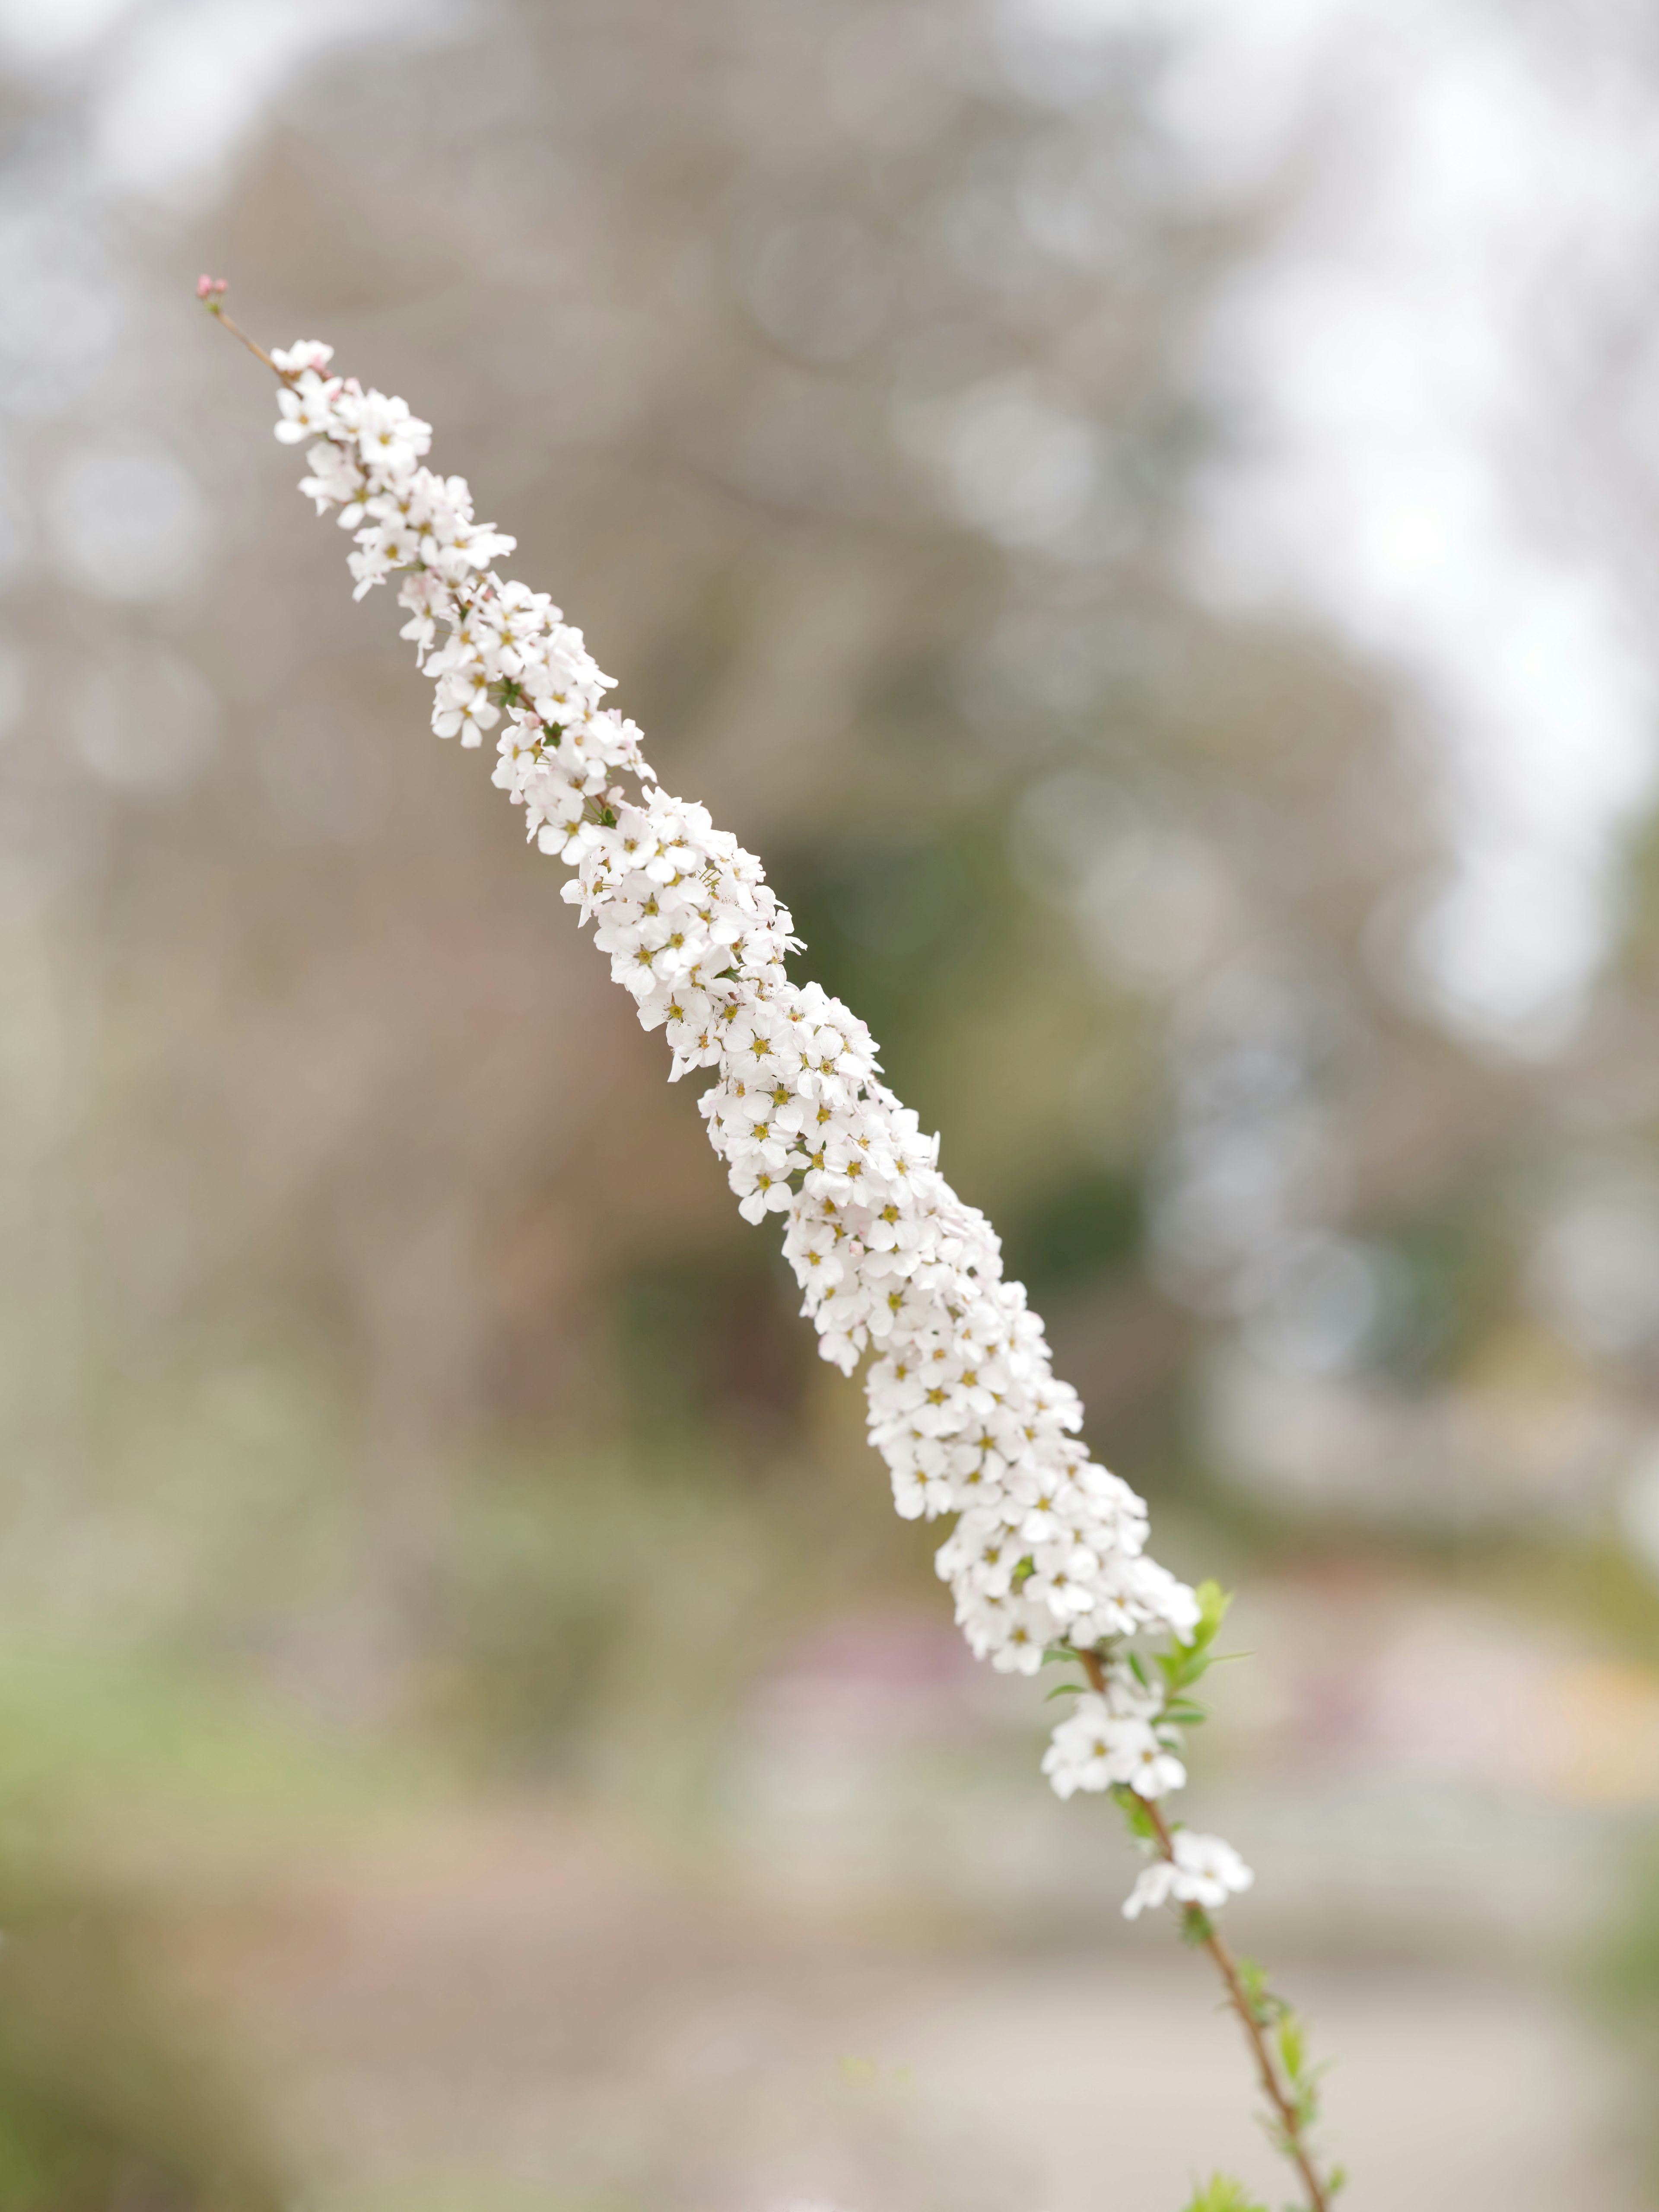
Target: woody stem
(1290, 2120)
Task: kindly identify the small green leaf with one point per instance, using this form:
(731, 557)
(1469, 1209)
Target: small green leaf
(1064, 1690)
(1220, 2194)
(1133, 1810)
(1212, 1604)
(1196, 1926)
(1291, 2047)
(1253, 1980)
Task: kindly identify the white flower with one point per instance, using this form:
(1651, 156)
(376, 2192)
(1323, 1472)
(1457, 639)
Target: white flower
(335, 479)
(1205, 1871)
(390, 439)
(307, 407)
(1101, 1744)
(1157, 1769)
(304, 353)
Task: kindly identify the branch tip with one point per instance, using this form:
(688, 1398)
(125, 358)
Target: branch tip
(211, 291)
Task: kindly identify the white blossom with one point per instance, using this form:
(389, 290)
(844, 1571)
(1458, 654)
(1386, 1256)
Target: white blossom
(1048, 1552)
(1112, 1739)
(1204, 1871)
(303, 353)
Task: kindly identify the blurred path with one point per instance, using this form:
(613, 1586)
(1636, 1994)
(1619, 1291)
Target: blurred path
(1449, 2094)
(527, 2011)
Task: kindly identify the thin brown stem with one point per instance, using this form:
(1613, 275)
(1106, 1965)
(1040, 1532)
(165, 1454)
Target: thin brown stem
(216, 308)
(1290, 2120)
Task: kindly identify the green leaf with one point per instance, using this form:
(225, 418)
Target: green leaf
(1196, 1926)
(1064, 1690)
(1253, 1980)
(1133, 1808)
(1220, 2194)
(1291, 2047)
(1212, 1604)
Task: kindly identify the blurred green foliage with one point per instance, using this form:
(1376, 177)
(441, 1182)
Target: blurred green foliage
(105, 2103)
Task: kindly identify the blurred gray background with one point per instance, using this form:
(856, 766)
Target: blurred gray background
(1144, 513)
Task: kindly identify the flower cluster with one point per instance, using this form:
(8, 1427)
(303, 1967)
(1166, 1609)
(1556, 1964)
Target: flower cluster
(1115, 1741)
(1202, 1871)
(1047, 1553)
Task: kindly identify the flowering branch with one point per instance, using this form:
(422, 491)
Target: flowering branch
(1186, 1865)
(1048, 1560)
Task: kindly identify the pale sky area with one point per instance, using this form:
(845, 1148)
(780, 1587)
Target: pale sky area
(1463, 199)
